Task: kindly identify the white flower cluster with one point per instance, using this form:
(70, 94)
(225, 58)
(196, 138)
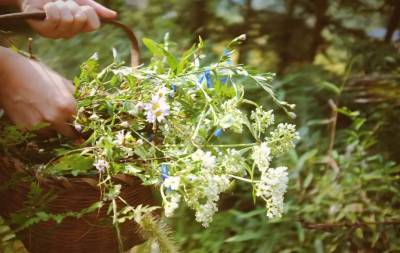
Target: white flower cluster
(231, 118)
(271, 188)
(214, 186)
(172, 183)
(205, 213)
(262, 156)
(206, 158)
(233, 162)
(262, 119)
(283, 138)
(171, 203)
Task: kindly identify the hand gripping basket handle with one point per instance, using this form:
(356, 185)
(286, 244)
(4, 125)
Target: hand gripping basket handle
(135, 51)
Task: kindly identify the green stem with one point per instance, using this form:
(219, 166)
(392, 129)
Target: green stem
(243, 179)
(116, 225)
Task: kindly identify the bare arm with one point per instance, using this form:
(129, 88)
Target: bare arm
(8, 2)
(31, 93)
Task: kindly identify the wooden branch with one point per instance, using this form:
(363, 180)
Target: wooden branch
(30, 49)
(393, 22)
(329, 226)
(334, 118)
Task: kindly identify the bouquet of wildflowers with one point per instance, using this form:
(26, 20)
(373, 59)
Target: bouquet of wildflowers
(171, 125)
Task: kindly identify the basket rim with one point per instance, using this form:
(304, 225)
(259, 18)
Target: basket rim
(66, 181)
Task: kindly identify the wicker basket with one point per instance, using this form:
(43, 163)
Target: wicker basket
(93, 232)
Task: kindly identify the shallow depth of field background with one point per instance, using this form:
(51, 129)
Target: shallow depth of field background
(339, 61)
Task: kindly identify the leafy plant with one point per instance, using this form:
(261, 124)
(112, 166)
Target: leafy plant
(166, 123)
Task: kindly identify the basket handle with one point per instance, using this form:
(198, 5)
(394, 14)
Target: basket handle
(135, 51)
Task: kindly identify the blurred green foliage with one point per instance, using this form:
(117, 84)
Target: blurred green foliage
(344, 191)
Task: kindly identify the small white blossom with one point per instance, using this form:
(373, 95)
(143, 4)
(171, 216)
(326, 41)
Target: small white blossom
(271, 188)
(207, 159)
(94, 116)
(121, 137)
(78, 127)
(101, 165)
(261, 156)
(171, 204)
(162, 92)
(172, 182)
(125, 124)
(157, 109)
(129, 152)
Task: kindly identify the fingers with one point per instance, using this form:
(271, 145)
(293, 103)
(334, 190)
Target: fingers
(26, 121)
(64, 19)
(66, 22)
(70, 87)
(66, 130)
(48, 27)
(100, 9)
(93, 21)
(61, 117)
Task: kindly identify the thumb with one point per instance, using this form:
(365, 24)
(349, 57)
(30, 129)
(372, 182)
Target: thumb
(101, 11)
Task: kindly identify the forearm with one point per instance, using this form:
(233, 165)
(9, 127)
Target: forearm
(9, 2)
(5, 57)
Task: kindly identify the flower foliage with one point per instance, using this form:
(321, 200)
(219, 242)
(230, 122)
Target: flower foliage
(166, 123)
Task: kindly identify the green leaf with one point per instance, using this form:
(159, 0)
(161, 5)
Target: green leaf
(158, 50)
(300, 232)
(185, 59)
(247, 215)
(75, 164)
(244, 237)
(154, 47)
(330, 87)
(42, 216)
(318, 246)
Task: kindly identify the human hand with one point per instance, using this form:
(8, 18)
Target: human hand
(64, 19)
(31, 93)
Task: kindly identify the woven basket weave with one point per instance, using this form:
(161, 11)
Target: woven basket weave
(91, 233)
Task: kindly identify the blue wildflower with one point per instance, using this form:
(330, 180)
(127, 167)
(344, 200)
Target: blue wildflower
(206, 75)
(224, 80)
(164, 171)
(218, 132)
(174, 87)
